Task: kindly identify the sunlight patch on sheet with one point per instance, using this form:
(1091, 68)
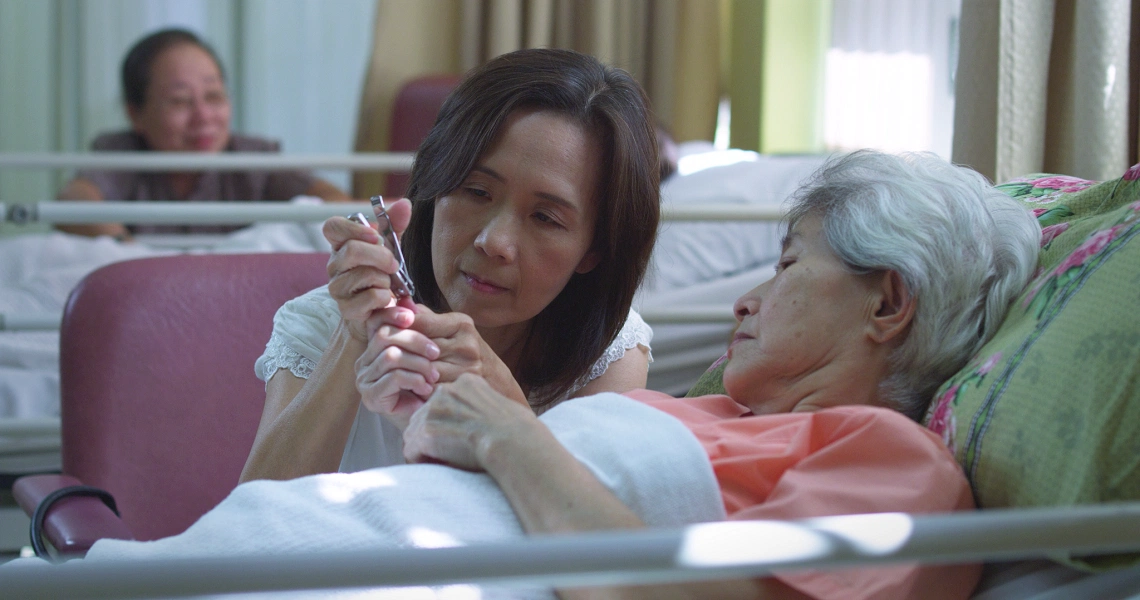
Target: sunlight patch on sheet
(774, 542)
(692, 163)
(878, 100)
(422, 537)
(343, 487)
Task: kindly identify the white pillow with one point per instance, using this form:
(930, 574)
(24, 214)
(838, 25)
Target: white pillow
(693, 252)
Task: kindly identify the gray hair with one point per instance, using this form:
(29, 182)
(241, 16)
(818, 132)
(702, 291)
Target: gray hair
(963, 250)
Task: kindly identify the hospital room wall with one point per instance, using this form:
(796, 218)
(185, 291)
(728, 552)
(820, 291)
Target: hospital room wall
(294, 69)
(808, 76)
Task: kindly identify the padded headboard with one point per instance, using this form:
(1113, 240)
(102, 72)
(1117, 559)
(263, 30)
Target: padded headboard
(413, 115)
(159, 401)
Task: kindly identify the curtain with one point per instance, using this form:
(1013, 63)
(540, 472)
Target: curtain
(1042, 86)
(671, 47)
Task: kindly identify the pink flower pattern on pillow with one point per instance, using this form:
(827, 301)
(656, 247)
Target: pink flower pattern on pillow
(1072, 267)
(941, 419)
(1051, 232)
(1062, 183)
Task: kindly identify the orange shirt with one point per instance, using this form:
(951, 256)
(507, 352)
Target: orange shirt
(846, 460)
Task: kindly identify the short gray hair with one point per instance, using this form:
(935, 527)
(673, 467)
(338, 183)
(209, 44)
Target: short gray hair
(963, 249)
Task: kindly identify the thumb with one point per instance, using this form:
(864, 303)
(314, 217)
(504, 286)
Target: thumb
(400, 214)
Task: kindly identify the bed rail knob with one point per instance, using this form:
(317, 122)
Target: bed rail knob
(21, 214)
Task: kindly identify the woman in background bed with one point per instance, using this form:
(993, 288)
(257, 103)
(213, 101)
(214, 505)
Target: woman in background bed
(175, 93)
(894, 272)
(534, 207)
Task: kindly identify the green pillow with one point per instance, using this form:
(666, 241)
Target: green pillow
(711, 381)
(1048, 412)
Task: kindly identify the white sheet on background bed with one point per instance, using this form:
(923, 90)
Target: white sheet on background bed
(37, 272)
(688, 253)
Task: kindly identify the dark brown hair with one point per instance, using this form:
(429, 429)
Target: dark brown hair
(140, 58)
(569, 335)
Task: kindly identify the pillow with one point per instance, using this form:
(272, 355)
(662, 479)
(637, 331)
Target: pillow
(711, 381)
(688, 253)
(1048, 412)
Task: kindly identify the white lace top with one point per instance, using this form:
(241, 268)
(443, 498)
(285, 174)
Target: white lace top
(302, 329)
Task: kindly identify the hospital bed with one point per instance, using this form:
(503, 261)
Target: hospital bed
(194, 405)
(657, 555)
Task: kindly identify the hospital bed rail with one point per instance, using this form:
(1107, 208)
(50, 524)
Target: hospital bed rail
(226, 161)
(697, 552)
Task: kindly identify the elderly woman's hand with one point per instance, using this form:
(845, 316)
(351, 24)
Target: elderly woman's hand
(403, 362)
(463, 420)
(360, 268)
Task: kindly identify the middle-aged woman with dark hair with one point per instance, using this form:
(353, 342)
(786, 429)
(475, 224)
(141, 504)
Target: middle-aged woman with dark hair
(534, 208)
(174, 89)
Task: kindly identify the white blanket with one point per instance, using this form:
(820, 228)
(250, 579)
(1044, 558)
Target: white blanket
(648, 458)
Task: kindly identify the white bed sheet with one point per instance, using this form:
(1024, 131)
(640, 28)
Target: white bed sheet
(37, 272)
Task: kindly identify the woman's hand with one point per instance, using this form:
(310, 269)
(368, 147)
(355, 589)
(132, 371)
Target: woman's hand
(463, 420)
(404, 361)
(360, 268)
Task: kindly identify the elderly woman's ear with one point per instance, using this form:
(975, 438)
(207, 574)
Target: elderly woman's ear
(894, 310)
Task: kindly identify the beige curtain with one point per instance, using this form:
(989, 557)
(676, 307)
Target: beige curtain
(1042, 85)
(672, 47)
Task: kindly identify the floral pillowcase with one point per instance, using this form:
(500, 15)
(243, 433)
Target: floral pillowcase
(1048, 412)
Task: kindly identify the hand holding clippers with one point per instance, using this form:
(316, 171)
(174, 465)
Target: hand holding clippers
(402, 281)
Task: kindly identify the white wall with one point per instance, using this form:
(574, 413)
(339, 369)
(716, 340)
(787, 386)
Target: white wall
(294, 68)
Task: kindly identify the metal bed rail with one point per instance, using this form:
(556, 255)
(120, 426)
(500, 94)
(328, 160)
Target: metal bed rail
(237, 213)
(696, 314)
(199, 161)
(32, 427)
(697, 552)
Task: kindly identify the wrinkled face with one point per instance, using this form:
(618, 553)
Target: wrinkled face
(508, 239)
(186, 107)
(813, 313)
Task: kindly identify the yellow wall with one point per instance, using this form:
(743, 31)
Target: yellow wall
(777, 54)
(796, 37)
(746, 52)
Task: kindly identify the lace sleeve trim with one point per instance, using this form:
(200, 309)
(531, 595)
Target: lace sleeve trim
(635, 332)
(279, 355)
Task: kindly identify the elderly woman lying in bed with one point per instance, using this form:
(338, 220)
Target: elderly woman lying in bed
(894, 271)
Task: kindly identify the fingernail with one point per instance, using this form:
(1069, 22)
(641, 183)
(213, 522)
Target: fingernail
(433, 350)
(434, 375)
(385, 330)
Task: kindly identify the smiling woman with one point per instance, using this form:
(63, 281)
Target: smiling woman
(534, 208)
(174, 88)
